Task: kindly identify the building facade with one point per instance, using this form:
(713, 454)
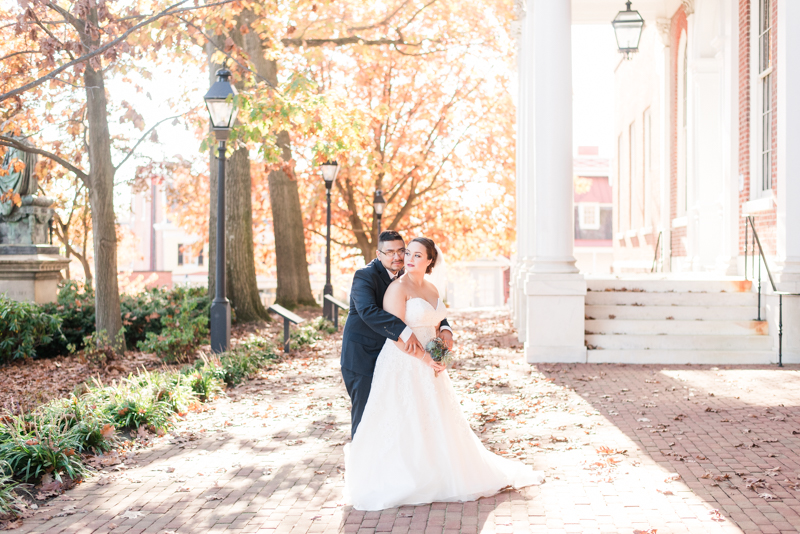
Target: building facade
(705, 128)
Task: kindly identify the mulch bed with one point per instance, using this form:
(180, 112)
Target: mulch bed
(27, 384)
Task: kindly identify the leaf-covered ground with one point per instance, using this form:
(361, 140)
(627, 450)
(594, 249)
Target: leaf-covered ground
(624, 448)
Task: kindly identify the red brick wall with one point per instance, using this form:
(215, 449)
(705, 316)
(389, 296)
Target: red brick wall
(677, 27)
(766, 221)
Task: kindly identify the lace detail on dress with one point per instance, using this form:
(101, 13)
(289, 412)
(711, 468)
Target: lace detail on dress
(414, 444)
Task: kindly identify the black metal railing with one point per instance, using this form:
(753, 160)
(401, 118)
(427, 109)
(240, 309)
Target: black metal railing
(750, 233)
(657, 253)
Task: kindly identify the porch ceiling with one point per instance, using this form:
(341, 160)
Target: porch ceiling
(604, 11)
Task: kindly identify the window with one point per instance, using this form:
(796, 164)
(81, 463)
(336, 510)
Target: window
(589, 215)
(180, 254)
(631, 170)
(648, 163)
(619, 181)
(765, 90)
(682, 197)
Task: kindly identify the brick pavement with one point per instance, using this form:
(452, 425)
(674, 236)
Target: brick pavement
(269, 459)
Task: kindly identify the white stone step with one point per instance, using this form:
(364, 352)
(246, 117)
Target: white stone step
(715, 357)
(672, 327)
(678, 313)
(650, 285)
(679, 342)
(617, 298)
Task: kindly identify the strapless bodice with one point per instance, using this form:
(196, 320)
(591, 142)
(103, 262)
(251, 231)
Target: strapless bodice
(423, 318)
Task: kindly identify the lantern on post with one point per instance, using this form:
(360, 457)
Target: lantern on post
(222, 113)
(628, 26)
(329, 171)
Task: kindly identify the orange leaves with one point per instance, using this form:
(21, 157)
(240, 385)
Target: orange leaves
(131, 115)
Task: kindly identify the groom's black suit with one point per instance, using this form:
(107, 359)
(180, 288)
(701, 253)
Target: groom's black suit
(365, 332)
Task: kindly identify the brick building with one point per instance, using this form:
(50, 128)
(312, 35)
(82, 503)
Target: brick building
(707, 126)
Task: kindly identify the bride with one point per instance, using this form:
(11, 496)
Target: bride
(414, 445)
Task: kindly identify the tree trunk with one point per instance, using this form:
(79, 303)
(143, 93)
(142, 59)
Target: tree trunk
(294, 285)
(241, 284)
(108, 317)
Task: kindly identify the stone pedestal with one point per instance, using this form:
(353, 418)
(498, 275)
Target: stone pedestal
(555, 318)
(31, 272)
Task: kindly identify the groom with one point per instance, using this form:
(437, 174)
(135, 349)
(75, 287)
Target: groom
(368, 324)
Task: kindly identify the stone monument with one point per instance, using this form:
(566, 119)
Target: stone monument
(30, 266)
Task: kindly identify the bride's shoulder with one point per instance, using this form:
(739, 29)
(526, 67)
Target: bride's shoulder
(429, 286)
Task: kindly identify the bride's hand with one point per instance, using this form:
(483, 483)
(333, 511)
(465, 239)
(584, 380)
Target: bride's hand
(437, 367)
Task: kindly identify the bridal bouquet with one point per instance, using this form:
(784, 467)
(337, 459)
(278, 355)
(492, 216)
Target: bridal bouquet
(439, 352)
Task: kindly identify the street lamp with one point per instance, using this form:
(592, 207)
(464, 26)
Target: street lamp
(379, 203)
(329, 171)
(222, 112)
(628, 26)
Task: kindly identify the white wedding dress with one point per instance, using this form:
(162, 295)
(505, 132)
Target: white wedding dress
(414, 445)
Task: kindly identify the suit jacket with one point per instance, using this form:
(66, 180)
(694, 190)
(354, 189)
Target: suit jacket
(368, 324)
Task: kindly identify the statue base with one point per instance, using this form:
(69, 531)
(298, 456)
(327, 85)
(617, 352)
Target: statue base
(29, 224)
(31, 272)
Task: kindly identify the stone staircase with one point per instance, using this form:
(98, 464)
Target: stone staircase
(660, 319)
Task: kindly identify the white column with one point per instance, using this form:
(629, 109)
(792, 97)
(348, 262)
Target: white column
(788, 154)
(524, 156)
(555, 290)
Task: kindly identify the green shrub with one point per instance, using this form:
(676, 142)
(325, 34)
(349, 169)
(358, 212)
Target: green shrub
(38, 446)
(181, 331)
(8, 500)
(74, 306)
(309, 333)
(143, 313)
(25, 327)
(171, 388)
(130, 404)
(93, 427)
(206, 379)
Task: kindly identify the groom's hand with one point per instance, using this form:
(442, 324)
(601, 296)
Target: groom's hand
(413, 346)
(447, 337)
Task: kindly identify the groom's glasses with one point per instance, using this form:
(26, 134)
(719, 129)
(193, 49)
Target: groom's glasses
(399, 253)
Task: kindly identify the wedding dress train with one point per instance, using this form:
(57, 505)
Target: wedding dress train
(414, 445)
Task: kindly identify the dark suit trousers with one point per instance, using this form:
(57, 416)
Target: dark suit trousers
(358, 387)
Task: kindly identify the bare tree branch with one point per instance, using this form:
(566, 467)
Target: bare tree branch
(142, 138)
(221, 49)
(13, 143)
(171, 10)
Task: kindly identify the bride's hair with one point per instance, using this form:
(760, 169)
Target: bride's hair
(430, 247)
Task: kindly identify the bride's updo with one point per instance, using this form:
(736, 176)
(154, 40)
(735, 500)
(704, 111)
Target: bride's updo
(430, 248)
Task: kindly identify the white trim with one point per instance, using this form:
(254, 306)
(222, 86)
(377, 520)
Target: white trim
(760, 204)
(647, 230)
(581, 219)
(632, 233)
(756, 78)
(680, 222)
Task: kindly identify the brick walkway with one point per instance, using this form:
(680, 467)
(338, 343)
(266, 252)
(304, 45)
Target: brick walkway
(705, 450)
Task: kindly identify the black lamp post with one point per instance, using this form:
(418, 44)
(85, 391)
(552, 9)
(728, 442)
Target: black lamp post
(379, 203)
(221, 110)
(329, 171)
(628, 26)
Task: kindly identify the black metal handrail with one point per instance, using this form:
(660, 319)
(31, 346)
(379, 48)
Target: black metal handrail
(750, 221)
(655, 255)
